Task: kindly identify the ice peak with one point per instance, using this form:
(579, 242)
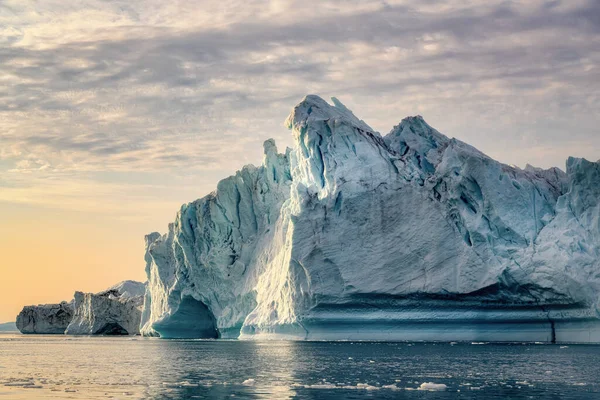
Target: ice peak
(276, 164)
(313, 108)
(575, 163)
(415, 128)
(585, 171)
(531, 168)
(270, 147)
(413, 133)
(339, 105)
(417, 125)
(127, 288)
(151, 238)
(413, 119)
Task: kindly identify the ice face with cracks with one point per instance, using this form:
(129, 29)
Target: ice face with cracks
(354, 235)
(114, 311)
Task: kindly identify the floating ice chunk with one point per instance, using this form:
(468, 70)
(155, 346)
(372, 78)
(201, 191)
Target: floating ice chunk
(249, 382)
(432, 386)
(391, 387)
(358, 386)
(321, 386)
(366, 386)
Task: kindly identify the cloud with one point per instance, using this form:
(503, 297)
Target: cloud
(121, 87)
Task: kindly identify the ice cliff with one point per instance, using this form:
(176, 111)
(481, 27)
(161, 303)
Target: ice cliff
(45, 318)
(351, 235)
(115, 311)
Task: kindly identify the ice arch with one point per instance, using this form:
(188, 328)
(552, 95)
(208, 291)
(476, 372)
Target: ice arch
(192, 320)
(112, 328)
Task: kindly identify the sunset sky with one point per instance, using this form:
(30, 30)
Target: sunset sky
(114, 113)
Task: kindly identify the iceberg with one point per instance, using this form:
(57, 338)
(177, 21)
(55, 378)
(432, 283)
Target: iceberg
(115, 311)
(355, 235)
(45, 318)
(8, 327)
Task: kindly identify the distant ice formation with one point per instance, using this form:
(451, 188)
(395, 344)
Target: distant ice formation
(115, 311)
(409, 236)
(8, 327)
(45, 318)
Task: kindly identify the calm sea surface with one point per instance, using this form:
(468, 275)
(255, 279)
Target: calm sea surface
(62, 367)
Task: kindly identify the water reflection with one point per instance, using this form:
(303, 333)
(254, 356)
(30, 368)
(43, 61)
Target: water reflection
(38, 367)
(218, 369)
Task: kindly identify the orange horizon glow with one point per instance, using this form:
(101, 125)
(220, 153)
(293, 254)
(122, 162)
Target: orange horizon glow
(47, 255)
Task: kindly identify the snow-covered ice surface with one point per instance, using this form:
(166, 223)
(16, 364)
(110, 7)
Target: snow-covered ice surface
(100, 367)
(126, 289)
(408, 236)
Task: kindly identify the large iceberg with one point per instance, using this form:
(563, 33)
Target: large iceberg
(410, 236)
(45, 318)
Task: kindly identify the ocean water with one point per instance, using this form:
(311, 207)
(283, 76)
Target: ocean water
(63, 367)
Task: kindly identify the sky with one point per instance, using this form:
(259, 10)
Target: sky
(114, 113)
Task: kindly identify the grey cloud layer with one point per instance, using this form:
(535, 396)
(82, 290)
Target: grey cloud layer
(517, 79)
